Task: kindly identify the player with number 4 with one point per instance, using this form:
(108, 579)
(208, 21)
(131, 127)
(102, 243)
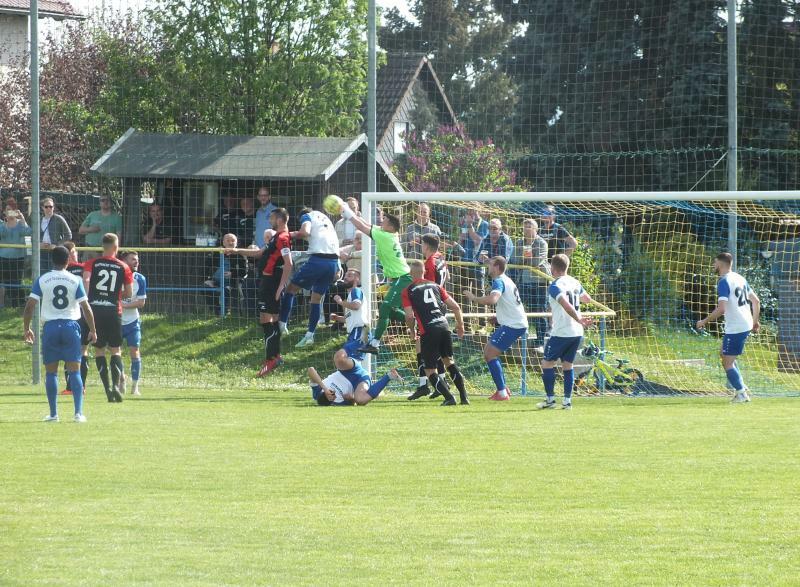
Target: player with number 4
(741, 307)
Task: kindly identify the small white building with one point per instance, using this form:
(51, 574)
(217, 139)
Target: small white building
(14, 27)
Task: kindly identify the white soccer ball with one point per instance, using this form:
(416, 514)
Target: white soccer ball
(333, 205)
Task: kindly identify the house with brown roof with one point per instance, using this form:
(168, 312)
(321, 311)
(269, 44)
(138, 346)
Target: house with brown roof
(14, 25)
(409, 95)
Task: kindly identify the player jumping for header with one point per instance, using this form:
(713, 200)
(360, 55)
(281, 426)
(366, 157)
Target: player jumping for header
(741, 307)
(390, 255)
(316, 274)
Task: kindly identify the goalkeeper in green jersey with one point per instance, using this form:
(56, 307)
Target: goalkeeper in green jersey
(395, 268)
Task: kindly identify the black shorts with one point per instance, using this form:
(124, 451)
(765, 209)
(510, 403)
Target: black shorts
(84, 330)
(267, 304)
(108, 323)
(435, 344)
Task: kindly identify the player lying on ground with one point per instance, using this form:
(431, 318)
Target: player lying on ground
(131, 323)
(317, 274)
(353, 317)
(423, 303)
(511, 319)
(565, 295)
(62, 298)
(390, 255)
(741, 307)
(349, 384)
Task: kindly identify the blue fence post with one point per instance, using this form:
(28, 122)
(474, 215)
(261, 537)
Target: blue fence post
(222, 285)
(601, 377)
(524, 381)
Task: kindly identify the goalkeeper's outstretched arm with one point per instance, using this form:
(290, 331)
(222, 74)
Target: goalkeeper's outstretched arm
(357, 221)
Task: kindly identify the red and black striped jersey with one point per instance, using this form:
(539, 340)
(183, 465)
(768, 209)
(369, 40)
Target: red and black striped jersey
(279, 245)
(76, 269)
(426, 299)
(436, 269)
(107, 277)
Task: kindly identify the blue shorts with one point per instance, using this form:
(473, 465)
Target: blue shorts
(132, 333)
(356, 375)
(562, 347)
(61, 341)
(317, 274)
(733, 344)
(353, 343)
(503, 337)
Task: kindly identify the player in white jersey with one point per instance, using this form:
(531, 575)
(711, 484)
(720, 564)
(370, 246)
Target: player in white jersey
(131, 323)
(316, 274)
(564, 295)
(349, 384)
(354, 319)
(511, 319)
(62, 298)
(741, 307)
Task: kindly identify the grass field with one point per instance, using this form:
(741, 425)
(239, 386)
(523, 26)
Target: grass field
(222, 487)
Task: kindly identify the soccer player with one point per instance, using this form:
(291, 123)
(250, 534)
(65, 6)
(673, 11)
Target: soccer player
(564, 295)
(76, 268)
(741, 307)
(349, 384)
(390, 256)
(511, 319)
(423, 304)
(131, 325)
(353, 317)
(316, 274)
(435, 271)
(274, 279)
(108, 280)
(62, 298)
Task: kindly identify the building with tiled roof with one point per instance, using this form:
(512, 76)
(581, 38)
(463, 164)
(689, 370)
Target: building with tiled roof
(14, 26)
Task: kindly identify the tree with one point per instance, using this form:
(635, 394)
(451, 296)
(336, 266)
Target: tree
(448, 160)
(269, 67)
(464, 39)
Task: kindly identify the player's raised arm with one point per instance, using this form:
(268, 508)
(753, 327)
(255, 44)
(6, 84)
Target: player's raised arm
(489, 299)
(357, 221)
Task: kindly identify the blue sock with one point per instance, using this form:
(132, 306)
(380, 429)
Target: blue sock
(735, 378)
(51, 388)
(76, 385)
(136, 368)
(569, 383)
(549, 380)
(313, 317)
(287, 302)
(377, 387)
(496, 369)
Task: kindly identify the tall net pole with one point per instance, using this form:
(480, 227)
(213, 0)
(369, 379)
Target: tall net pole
(35, 220)
(732, 127)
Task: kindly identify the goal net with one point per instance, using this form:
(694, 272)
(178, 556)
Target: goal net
(646, 259)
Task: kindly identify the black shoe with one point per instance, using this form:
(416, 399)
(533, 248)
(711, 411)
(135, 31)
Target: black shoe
(368, 348)
(436, 393)
(421, 391)
(110, 398)
(464, 400)
(449, 402)
(115, 395)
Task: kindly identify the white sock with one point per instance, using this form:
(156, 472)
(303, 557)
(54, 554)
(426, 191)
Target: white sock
(374, 342)
(502, 392)
(423, 381)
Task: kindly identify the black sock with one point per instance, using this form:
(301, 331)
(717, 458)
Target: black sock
(102, 371)
(272, 340)
(440, 367)
(84, 369)
(458, 380)
(440, 385)
(267, 328)
(421, 367)
(116, 369)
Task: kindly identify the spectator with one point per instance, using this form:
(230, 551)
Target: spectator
(99, 222)
(344, 229)
(558, 238)
(157, 233)
(12, 261)
(350, 255)
(262, 216)
(496, 244)
(473, 229)
(230, 271)
(412, 243)
(54, 231)
(246, 223)
(531, 251)
(225, 222)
